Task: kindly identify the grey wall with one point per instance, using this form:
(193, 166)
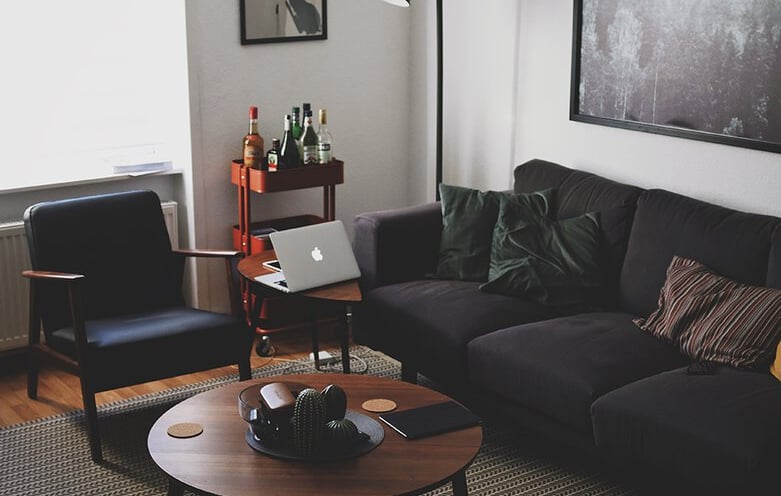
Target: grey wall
(360, 74)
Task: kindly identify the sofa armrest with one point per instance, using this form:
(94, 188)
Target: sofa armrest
(397, 245)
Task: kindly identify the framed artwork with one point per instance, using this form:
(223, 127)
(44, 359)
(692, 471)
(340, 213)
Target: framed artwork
(701, 69)
(273, 21)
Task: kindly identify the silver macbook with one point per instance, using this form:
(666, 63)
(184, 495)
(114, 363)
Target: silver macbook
(310, 257)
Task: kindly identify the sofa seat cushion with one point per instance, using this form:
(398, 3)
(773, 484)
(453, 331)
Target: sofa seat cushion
(717, 429)
(135, 348)
(560, 366)
(428, 323)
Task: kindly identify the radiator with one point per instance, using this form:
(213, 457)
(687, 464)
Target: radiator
(14, 289)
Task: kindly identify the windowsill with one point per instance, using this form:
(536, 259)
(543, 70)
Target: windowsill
(76, 181)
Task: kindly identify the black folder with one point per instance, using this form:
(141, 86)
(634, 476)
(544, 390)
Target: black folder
(430, 420)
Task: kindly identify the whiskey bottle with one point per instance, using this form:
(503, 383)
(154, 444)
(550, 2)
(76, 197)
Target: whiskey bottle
(324, 140)
(252, 148)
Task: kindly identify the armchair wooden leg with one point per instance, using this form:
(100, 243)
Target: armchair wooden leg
(32, 376)
(91, 414)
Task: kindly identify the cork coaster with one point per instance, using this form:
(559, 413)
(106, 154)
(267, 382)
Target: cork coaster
(185, 430)
(379, 405)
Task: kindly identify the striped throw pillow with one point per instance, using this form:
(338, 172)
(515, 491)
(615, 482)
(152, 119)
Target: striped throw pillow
(711, 318)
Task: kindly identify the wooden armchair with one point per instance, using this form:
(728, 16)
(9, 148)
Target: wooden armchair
(106, 288)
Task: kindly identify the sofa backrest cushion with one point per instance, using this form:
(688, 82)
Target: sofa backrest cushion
(774, 265)
(579, 192)
(734, 244)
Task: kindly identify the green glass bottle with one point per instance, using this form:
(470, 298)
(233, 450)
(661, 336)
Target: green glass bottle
(295, 124)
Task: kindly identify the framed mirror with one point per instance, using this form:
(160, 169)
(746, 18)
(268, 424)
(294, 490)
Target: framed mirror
(273, 21)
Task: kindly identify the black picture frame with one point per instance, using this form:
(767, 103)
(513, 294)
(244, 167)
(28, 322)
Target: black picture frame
(677, 69)
(291, 19)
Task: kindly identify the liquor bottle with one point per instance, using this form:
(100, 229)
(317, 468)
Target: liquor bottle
(309, 141)
(306, 107)
(324, 140)
(272, 156)
(295, 125)
(252, 149)
(288, 150)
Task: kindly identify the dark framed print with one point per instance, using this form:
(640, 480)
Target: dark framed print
(273, 21)
(701, 69)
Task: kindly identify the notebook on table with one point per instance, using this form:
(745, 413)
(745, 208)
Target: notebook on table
(430, 420)
(311, 256)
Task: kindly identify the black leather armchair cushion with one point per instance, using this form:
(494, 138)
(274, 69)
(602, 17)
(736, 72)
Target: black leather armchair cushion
(140, 347)
(118, 242)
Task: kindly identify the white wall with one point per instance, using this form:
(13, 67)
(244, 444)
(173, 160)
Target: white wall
(735, 177)
(360, 74)
(507, 87)
(480, 55)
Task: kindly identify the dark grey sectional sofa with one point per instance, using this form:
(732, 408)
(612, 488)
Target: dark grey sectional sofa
(591, 379)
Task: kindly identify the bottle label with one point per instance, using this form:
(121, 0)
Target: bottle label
(324, 153)
(252, 156)
(272, 162)
(309, 154)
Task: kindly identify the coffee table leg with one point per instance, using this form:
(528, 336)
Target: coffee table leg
(459, 484)
(344, 337)
(174, 487)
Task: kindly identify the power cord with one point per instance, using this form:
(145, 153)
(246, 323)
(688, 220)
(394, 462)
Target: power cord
(334, 367)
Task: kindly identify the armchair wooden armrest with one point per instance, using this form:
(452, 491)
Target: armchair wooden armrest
(229, 256)
(73, 282)
(42, 274)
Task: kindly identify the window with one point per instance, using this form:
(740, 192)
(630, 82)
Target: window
(89, 84)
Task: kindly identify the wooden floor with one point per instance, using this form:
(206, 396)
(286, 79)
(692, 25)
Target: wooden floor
(60, 392)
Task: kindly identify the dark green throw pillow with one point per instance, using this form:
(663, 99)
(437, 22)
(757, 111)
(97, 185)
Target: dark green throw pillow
(468, 219)
(544, 260)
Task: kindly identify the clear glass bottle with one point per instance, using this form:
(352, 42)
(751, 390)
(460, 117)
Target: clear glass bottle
(288, 150)
(252, 146)
(309, 141)
(324, 139)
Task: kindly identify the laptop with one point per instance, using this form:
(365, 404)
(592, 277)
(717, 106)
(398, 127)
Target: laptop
(311, 256)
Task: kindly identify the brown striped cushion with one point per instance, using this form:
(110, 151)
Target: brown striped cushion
(712, 318)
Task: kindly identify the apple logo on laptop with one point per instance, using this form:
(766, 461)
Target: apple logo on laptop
(317, 255)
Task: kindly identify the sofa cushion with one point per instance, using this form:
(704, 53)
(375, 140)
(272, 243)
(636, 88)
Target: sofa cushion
(775, 367)
(733, 243)
(774, 264)
(468, 219)
(579, 192)
(721, 430)
(428, 323)
(714, 319)
(560, 366)
(547, 261)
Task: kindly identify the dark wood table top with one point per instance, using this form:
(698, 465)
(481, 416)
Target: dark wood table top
(219, 461)
(348, 292)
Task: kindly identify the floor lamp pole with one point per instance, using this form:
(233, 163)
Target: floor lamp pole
(440, 77)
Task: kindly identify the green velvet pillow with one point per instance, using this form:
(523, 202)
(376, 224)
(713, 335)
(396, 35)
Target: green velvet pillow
(543, 260)
(468, 219)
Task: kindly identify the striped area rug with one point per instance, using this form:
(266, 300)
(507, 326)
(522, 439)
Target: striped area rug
(50, 456)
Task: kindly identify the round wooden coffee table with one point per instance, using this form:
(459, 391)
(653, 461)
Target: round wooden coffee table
(219, 461)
